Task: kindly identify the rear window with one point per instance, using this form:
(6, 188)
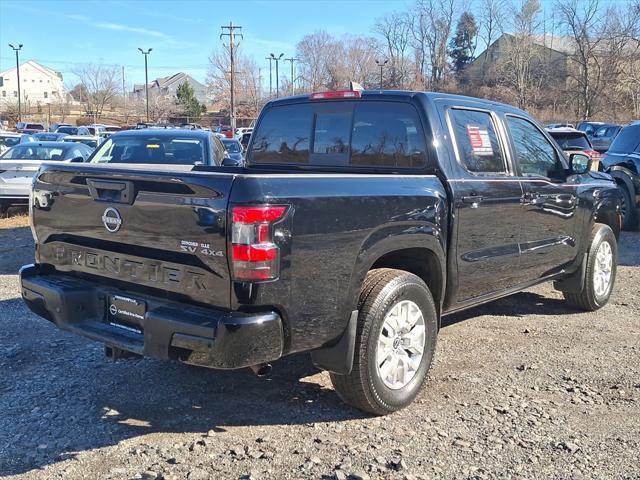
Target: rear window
(151, 150)
(628, 140)
(360, 134)
(9, 141)
(571, 141)
(35, 126)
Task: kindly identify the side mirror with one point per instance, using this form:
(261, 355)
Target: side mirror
(579, 163)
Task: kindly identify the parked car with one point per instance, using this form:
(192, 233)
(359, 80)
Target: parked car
(359, 220)
(112, 128)
(227, 131)
(169, 147)
(28, 127)
(11, 139)
(73, 130)
(589, 127)
(560, 125)
(91, 142)
(233, 150)
(601, 139)
(95, 130)
(574, 141)
(622, 161)
(20, 163)
(49, 136)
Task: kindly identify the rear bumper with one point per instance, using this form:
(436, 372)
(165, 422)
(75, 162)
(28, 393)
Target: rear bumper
(169, 330)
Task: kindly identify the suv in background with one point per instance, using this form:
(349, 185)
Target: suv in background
(589, 127)
(574, 141)
(73, 130)
(622, 161)
(25, 127)
(603, 137)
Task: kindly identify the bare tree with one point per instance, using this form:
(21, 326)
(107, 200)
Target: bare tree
(99, 84)
(354, 61)
(395, 30)
(491, 17)
(315, 53)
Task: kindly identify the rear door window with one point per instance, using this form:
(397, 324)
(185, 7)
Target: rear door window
(476, 140)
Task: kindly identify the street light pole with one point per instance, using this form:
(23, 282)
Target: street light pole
(17, 49)
(293, 89)
(270, 77)
(381, 65)
(146, 77)
(277, 59)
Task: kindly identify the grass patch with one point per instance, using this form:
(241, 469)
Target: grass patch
(19, 219)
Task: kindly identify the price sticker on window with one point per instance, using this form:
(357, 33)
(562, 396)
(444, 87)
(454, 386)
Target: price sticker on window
(480, 141)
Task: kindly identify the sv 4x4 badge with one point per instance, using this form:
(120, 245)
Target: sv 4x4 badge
(201, 248)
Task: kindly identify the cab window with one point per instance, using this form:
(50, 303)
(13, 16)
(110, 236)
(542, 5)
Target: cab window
(476, 140)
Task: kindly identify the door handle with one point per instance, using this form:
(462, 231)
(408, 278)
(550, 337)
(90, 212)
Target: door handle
(472, 199)
(532, 198)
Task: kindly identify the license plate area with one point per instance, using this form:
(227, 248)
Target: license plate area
(126, 313)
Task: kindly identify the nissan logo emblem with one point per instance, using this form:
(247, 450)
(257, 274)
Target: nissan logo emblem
(112, 220)
(113, 310)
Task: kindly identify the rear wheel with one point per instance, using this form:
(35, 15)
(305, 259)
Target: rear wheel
(628, 210)
(395, 343)
(600, 273)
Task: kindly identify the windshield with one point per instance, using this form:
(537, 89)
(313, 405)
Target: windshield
(89, 142)
(231, 146)
(151, 149)
(48, 137)
(69, 130)
(627, 141)
(572, 141)
(28, 152)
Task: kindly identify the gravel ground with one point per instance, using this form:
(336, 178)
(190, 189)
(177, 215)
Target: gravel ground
(524, 387)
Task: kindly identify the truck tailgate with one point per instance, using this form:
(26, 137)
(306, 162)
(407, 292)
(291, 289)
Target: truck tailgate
(156, 232)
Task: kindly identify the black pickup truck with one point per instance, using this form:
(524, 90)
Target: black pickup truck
(359, 220)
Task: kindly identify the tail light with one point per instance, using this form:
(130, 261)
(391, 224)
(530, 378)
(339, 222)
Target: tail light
(255, 257)
(593, 154)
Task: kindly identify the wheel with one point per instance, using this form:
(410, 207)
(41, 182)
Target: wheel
(4, 208)
(628, 210)
(600, 274)
(395, 342)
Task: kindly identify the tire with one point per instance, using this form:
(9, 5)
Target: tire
(592, 296)
(4, 208)
(629, 212)
(387, 292)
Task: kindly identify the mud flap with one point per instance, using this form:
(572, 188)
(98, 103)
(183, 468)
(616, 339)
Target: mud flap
(339, 357)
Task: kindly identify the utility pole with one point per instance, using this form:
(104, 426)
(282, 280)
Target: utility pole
(146, 77)
(270, 77)
(124, 96)
(293, 88)
(277, 59)
(231, 33)
(381, 65)
(17, 49)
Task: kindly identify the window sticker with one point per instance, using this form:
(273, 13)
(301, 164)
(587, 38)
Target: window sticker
(480, 141)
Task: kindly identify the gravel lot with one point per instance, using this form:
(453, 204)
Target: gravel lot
(523, 387)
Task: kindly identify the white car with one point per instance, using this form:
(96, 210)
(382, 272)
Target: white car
(20, 163)
(10, 139)
(92, 142)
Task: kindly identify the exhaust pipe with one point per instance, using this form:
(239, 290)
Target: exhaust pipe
(261, 370)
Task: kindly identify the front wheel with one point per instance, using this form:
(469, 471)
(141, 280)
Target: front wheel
(395, 343)
(600, 272)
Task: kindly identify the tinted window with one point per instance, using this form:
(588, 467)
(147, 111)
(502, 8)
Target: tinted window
(387, 135)
(283, 135)
(232, 146)
(151, 150)
(571, 141)
(627, 140)
(534, 152)
(9, 141)
(69, 130)
(477, 141)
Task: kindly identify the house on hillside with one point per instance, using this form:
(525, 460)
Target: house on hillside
(548, 54)
(38, 84)
(167, 87)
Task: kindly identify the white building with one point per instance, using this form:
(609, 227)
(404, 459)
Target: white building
(38, 84)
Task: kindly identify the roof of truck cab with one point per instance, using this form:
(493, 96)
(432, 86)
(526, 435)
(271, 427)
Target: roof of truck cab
(396, 95)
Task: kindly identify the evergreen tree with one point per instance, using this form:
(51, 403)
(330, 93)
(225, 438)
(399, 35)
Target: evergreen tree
(463, 44)
(187, 101)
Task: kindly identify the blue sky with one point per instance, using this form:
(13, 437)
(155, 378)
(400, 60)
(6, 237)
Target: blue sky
(64, 34)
